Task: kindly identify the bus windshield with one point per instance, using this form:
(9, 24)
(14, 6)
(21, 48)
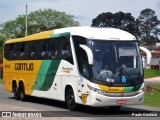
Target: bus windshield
(116, 62)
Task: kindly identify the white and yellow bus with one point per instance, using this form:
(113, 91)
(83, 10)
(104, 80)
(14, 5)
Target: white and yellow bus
(80, 65)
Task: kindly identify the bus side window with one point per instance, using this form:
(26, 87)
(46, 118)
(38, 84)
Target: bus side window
(21, 54)
(14, 51)
(44, 49)
(27, 50)
(7, 52)
(11, 51)
(81, 56)
(65, 49)
(47, 48)
(84, 61)
(53, 49)
(31, 50)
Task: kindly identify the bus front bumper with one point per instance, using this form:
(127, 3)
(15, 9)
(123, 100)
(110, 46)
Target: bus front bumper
(101, 100)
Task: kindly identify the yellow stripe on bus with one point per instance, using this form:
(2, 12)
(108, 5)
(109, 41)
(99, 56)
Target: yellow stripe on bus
(110, 89)
(38, 36)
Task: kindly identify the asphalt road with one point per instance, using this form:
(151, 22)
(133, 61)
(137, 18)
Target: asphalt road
(52, 108)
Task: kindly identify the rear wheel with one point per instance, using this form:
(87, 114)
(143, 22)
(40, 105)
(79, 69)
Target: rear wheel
(70, 100)
(22, 92)
(15, 91)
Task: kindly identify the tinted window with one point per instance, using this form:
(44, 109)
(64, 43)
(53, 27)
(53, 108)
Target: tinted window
(65, 49)
(20, 50)
(31, 50)
(81, 56)
(55, 48)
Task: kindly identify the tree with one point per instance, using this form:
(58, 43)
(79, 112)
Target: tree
(38, 21)
(50, 19)
(124, 21)
(148, 25)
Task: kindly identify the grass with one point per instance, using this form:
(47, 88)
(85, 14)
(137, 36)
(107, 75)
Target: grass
(1, 81)
(149, 73)
(157, 86)
(152, 98)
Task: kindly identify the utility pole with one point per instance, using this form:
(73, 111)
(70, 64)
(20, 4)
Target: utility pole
(26, 22)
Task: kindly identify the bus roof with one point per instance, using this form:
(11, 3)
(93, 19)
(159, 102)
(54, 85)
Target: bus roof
(102, 33)
(99, 33)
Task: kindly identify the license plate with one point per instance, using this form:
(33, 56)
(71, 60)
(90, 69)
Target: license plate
(121, 101)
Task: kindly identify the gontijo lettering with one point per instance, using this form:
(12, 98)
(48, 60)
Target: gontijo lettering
(24, 66)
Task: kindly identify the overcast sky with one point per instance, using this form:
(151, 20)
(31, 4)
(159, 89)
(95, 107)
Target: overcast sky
(84, 10)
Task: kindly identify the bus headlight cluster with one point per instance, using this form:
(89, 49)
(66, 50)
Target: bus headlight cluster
(97, 90)
(141, 90)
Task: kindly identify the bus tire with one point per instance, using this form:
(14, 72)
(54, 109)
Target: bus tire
(22, 92)
(15, 91)
(70, 100)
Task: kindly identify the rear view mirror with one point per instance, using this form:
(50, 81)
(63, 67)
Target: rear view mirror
(89, 53)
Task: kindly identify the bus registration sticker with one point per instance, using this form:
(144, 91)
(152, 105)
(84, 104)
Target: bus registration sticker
(84, 98)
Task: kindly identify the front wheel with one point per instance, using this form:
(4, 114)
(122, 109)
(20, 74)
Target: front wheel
(70, 100)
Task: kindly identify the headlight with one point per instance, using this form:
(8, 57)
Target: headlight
(141, 90)
(97, 90)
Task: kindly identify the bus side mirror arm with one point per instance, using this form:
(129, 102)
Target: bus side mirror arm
(89, 53)
(149, 55)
